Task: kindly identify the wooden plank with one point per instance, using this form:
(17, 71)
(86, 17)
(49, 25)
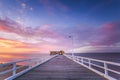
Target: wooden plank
(60, 68)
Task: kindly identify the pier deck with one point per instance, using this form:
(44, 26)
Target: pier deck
(60, 68)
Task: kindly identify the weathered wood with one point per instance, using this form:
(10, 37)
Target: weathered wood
(60, 68)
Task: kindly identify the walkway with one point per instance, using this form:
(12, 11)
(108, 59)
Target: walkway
(60, 68)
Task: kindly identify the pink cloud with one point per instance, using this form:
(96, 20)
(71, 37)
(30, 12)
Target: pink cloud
(46, 26)
(47, 31)
(40, 34)
(41, 39)
(11, 26)
(110, 33)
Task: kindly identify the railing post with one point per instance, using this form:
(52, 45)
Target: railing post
(38, 62)
(77, 58)
(82, 60)
(73, 57)
(14, 68)
(89, 63)
(30, 64)
(105, 69)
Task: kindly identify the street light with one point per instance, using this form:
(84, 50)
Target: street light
(72, 38)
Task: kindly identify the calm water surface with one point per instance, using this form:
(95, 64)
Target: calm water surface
(14, 57)
(114, 57)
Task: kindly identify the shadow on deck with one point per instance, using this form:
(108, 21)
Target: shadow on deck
(60, 68)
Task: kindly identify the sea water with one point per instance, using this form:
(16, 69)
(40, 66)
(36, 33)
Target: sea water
(10, 57)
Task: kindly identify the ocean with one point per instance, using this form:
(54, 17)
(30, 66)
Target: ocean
(113, 57)
(4, 58)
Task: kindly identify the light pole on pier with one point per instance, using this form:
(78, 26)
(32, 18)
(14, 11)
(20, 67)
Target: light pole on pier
(72, 38)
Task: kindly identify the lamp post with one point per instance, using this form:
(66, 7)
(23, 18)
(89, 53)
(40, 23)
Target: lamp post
(72, 38)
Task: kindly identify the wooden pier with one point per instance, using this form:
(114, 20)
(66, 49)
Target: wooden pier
(60, 68)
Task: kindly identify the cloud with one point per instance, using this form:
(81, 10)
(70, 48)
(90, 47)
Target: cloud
(97, 49)
(31, 35)
(105, 38)
(109, 33)
(18, 38)
(83, 34)
(23, 8)
(47, 30)
(10, 43)
(9, 25)
(32, 39)
(106, 34)
(12, 46)
(51, 8)
(23, 5)
(31, 8)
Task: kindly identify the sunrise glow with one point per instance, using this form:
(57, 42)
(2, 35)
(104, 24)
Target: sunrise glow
(39, 26)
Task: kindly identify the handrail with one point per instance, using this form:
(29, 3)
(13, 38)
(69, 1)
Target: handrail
(84, 60)
(108, 62)
(30, 64)
(14, 65)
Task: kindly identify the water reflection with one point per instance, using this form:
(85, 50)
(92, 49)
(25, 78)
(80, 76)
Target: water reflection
(15, 57)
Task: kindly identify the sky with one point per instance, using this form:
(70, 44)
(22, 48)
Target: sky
(40, 26)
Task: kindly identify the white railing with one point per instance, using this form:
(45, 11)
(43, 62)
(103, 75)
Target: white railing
(101, 64)
(25, 66)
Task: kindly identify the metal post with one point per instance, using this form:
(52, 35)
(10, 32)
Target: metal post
(89, 63)
(14, 68)
(72, 46)
(77, 58)
(30, 64)
(105, 69)
(82, 60)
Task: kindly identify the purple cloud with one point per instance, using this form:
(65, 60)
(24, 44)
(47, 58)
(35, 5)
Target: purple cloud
(10, 26)
(110, 33)
(10, 29)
